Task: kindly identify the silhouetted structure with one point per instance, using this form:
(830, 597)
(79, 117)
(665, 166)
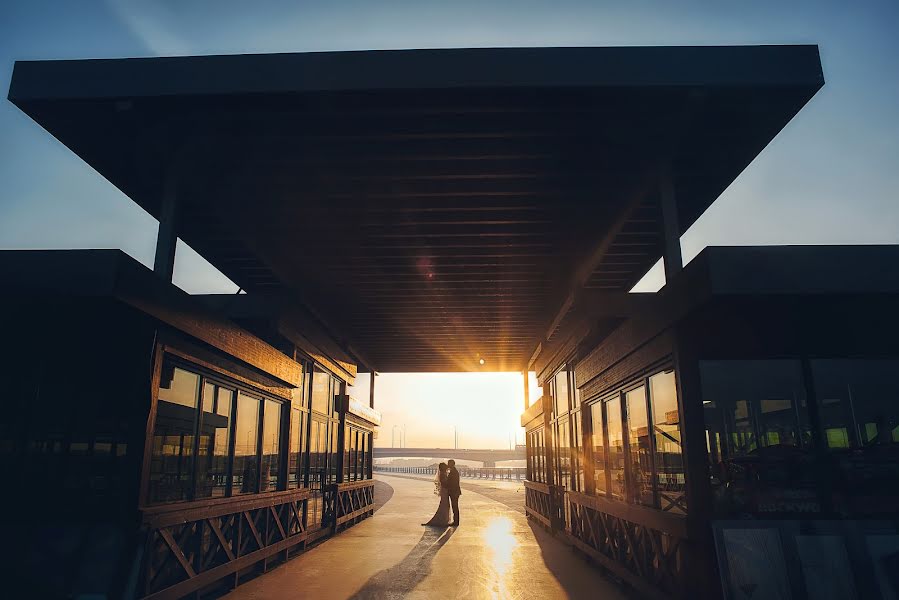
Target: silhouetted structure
(156, 446)
(440, 210)
(745, 419)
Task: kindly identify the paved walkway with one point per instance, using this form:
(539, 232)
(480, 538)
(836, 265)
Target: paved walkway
(495, 553)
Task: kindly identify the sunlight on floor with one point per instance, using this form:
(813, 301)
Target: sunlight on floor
(500, 543)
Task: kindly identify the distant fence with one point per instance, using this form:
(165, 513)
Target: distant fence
(507, 473)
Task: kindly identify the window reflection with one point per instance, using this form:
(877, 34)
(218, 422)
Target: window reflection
(321, 392)
(758, 436)
(171, 463)
(246, 440)
(560, 393)
(215, 442)
(563, 454)
(859, 401)
(638, 447)
(577, 474)
(207, 440)
(599, 449)
(616, 447)
(669, 464)
(271, 446)
(858, 404)
(295, 464)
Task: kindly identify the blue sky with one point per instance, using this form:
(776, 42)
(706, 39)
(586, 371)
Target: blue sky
(830, 177)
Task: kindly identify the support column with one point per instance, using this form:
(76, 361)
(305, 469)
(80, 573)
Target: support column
(699, 550)
(527, 390)
(674, 261)
(341, 434)
(548, 437)
(371, 390)
(167, 236)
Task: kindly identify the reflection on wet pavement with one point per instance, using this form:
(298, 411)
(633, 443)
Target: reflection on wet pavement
(495, 553)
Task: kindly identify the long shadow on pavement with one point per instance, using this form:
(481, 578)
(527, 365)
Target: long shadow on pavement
(403, 577)
(568, 567)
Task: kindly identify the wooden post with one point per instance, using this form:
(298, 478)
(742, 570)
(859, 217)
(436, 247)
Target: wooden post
(674, 261)
(700, 550)
(371, 390)
(548, 436)
(527, 390)
(167, 236)
(341, 434)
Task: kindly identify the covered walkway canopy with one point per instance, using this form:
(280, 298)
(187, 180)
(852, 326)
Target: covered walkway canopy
(432, 207)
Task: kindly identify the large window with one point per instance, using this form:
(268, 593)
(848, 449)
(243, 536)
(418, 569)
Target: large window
(210, 439)
(859, 402)
(616, 447)
(174, 436)
(577, 472)
(636, 444)
(758, 436)
(560, 393)
(638, 448)
(536, 455)
(321, 392)
(246, 443)
(213, 460)
(355, 462)
(669, 464)
(296, 462)
(563, 453)
(271, 446)
(598, 448)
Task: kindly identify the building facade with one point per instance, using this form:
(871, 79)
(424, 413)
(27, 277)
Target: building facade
(191, 453)
(741, 431)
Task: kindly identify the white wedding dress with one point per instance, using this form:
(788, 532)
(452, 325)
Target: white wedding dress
(441, 518)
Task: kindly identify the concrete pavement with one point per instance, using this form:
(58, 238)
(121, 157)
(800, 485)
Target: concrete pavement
(495, 553)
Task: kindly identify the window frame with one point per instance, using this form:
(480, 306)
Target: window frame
(619, 393)
(218, 380)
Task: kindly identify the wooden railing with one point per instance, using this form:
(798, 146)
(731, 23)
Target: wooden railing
(544, 503)
(492, 473)
(353, 501)
(190, 546)
(643, 546)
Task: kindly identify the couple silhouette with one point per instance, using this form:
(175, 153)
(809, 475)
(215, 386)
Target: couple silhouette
(446, 486)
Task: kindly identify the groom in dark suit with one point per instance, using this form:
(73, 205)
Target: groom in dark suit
(455, 490)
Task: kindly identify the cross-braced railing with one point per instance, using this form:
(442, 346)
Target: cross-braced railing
(544, 503)
(354, 501)
(644, 546)
(190, 546)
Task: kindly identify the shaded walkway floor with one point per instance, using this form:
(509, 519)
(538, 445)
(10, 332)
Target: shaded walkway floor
(495, 553)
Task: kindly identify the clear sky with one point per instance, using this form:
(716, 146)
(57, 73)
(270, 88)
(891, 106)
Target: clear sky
(831, 177)
(484, 408)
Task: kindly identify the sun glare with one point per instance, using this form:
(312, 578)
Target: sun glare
(499, 546)
(483, 409)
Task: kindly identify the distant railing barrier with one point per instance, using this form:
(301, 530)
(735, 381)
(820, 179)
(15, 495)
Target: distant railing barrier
(492, 473)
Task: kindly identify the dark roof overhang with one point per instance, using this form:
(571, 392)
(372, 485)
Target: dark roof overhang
(432, 207)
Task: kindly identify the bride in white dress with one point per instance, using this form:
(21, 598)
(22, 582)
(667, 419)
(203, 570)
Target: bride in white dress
(441, 518)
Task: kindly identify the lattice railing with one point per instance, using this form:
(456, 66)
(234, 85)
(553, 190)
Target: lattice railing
(544, 503)
(353, 501)
(648, 545)
(190, 546)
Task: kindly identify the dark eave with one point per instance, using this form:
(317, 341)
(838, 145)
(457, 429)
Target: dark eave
(114, 275)
(430, 207)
